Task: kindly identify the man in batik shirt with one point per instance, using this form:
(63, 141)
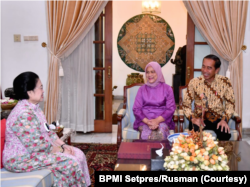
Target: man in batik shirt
(214, 94)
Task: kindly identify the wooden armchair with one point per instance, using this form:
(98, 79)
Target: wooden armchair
(126, 118)
(234, 123)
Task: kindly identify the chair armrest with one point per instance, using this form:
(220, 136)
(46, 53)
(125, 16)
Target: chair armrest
(121, 112)
(122, 121)
(237, 120)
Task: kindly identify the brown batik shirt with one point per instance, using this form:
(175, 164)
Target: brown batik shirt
(219, 100)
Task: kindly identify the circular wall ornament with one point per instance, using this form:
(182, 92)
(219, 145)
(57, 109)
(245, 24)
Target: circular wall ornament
(145, 38)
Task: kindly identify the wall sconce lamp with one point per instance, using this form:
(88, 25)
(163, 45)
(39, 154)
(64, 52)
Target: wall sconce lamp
(151, 6)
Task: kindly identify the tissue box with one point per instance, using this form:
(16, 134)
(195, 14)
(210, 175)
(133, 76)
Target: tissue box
(157, 161)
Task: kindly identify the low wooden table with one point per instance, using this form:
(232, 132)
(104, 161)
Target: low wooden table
(240, 151)
(141, 164)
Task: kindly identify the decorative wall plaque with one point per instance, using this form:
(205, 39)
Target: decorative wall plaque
(145, 38)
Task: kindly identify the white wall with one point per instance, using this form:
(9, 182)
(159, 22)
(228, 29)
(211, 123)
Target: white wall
(246, 76)
(25, 18)
(173, 12)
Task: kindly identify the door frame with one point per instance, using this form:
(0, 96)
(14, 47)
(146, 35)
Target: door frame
(105, 125)
(190, 49)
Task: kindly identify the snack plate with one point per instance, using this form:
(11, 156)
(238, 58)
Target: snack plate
(172, 137)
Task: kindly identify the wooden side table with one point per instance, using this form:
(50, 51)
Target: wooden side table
(114, 116)
(67, 135)
(59, 132)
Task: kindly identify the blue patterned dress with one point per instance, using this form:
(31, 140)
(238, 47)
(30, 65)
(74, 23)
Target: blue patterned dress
(28, 147)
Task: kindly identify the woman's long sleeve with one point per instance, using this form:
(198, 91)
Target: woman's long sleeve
(170, 105)
(137, 107)
(27, 129)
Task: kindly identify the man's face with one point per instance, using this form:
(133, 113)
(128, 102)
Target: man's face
(208, 70)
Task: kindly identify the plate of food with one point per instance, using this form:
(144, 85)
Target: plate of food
(172, 137)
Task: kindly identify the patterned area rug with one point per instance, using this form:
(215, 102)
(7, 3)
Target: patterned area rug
(100, 157)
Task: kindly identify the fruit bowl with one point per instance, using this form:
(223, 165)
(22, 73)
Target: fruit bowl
(8, 104)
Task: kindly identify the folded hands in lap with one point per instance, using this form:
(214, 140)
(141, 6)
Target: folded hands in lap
(153, 124)
(67, 149)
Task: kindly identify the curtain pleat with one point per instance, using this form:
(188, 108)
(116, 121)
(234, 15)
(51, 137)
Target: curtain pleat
(68, 23)
(77, 87)
(222, 24)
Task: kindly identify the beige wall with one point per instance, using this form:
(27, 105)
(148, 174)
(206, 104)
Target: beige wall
(173, 12)
(246, 77)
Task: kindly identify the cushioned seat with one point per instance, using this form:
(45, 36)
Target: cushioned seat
(126, 118)
(234, 122)
(40, 178)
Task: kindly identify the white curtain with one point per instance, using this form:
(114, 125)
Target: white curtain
(224, 63)
(77, 100)
(68, 23)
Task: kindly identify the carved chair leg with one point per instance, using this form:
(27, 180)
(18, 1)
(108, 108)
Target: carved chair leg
(119, 136)
(181, 127)
(176, 128)
(140, 130)
(69, 140)
(237, 127)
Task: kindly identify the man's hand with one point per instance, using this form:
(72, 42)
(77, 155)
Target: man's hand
(196, 121)
(223, 125)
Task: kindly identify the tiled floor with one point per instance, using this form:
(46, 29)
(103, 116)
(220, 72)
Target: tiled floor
(97, 137)
(246, 137)
(100, 137)
(111, 137)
